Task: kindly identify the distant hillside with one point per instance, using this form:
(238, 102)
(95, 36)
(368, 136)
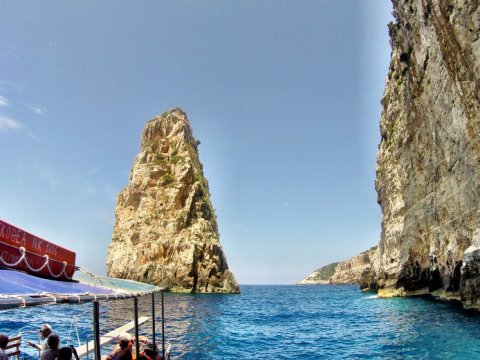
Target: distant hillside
(320, 276)
(356, 270)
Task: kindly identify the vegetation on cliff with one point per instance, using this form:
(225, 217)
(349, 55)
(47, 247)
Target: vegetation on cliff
(166, 229)
(355, 270)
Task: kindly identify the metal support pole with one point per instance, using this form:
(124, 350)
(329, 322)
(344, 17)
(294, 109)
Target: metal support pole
(96, 330)
(153, 327)
(163, 328)
(137, 344)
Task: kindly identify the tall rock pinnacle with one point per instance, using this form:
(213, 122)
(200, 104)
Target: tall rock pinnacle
(165, 226)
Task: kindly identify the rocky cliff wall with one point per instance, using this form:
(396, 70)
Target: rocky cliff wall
(320, 276)
(165, 229)
(428, 162)
(351, 271)
(355, 270)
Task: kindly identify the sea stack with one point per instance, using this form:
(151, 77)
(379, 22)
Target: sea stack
(428, 165)
(165, 229)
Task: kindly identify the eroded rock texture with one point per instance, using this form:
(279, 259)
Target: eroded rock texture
(351, 270)
(165, 226)
(356, 270)
(429, 157)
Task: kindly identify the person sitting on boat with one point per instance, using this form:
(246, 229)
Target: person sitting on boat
(3, 345)
(45, 331)
(53, 343)
(148, 352)
(67, 353)
(127, 336)
(122, 351)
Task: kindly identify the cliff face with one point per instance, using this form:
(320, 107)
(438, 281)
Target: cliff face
(165, 229)
(351, 271)
(320, 276)
(356, 270)
(429, 156)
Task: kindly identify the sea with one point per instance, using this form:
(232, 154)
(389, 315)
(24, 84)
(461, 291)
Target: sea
(275, 322)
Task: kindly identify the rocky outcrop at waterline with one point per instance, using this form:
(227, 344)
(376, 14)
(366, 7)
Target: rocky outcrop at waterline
(428, 163)
(320, 276)
(352, 270)
(165, 229)
(355, 270)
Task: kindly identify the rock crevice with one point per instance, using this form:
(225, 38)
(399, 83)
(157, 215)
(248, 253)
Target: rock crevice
(429, 155)
(428, 164)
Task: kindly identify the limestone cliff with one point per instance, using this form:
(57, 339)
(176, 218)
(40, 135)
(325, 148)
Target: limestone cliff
(320, 276)
(165, 229)
(428, 162)
(351, 271)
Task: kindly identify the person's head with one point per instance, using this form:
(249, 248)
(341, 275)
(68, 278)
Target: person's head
(149, 353)
(149, 349)
(45, 330)
(3, 341)
(123, 342)
(65, 353)
(53, 341)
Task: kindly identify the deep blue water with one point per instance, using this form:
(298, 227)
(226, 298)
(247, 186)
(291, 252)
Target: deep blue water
(281, 322)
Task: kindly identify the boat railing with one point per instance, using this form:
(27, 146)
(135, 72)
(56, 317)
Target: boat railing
(36, 334)
(89, 344)
(13, 346)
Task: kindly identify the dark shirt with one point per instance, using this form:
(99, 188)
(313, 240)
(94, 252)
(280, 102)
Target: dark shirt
(122, 354)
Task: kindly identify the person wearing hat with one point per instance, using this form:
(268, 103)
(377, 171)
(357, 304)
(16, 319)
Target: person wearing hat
(45, 331)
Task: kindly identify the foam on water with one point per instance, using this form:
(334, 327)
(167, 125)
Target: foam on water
(281, 322)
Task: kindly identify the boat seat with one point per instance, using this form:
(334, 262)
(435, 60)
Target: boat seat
(13, 346)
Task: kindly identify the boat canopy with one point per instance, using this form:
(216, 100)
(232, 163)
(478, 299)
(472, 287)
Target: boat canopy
(19, 289)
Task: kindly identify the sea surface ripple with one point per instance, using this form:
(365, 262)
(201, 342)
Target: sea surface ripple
(278, 322)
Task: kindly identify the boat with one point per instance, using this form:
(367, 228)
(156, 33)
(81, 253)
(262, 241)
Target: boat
(21, 287)
(24, 251)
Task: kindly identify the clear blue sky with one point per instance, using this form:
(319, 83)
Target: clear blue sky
(283, 95)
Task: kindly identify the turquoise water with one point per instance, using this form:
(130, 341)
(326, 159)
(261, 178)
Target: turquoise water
(282, 322)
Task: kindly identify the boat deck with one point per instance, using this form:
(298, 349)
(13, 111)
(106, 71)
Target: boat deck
(111, 336)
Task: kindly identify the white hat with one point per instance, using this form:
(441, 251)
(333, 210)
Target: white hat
(45, 327)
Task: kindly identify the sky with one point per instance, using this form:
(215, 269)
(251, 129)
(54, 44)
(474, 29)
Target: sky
(283, 95)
